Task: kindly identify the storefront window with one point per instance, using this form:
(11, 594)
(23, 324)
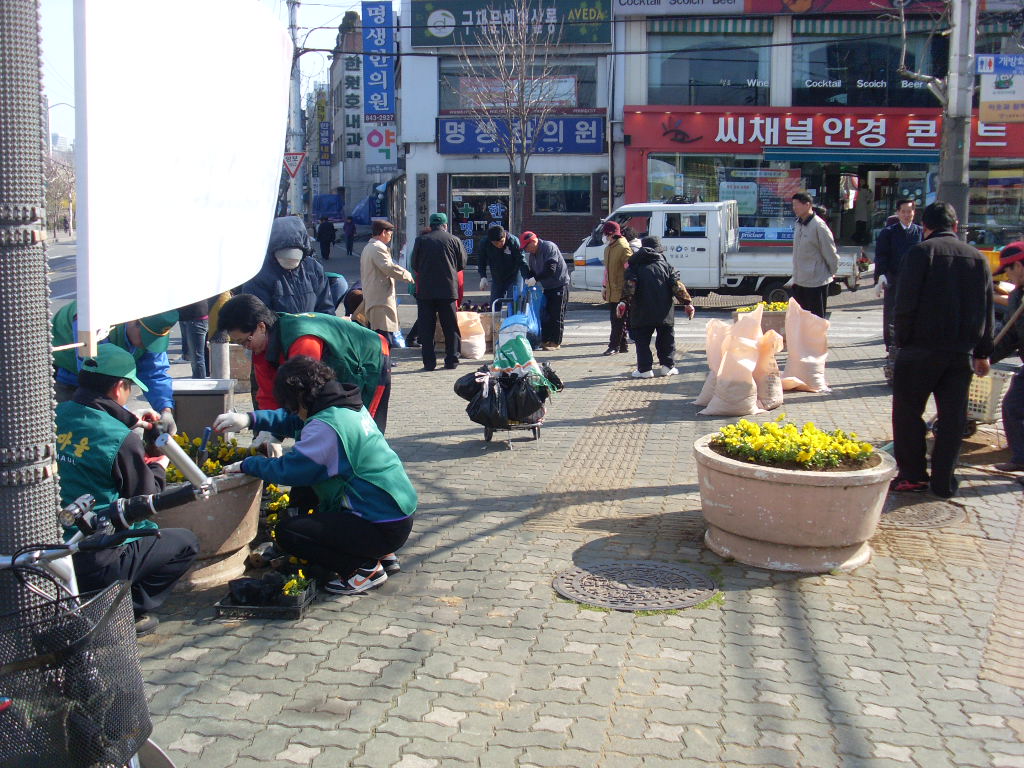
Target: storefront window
(570, 85)
(863, 73)
(561, 193)
(477, 203)
(996, 202)
(717, 69)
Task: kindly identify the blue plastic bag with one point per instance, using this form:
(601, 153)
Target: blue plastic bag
(534, 308)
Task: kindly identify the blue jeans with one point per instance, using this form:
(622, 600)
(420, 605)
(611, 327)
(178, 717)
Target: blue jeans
(193, 345)
(1013, 416)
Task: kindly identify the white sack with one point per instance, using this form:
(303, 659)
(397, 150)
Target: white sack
(767, 377)
(807, 339)
(735, 391)
(715, 335)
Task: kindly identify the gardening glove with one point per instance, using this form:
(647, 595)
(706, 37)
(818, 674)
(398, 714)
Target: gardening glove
(167, 422)
(233, 469)
(881, 286)
(484, 285)
(270, 443)
(620, 309)
(530, 282)
(231, 422)
(147, 417)
(690, 311)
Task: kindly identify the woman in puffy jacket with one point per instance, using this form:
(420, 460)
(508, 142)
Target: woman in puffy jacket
(291, 280)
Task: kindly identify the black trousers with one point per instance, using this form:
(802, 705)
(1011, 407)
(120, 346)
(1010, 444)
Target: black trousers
(325, 250)
(888, 306)
(152, 564)
(428, 311)
(552, 320)
(379, 406)
(917, 374)
(811, 299)
(665, 344)
(340, 542)
(617, 339)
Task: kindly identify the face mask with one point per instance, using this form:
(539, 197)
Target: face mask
(288, 258)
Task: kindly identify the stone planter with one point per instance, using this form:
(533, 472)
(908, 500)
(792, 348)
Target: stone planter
(790, 520)
(770, 321)
(225, 524)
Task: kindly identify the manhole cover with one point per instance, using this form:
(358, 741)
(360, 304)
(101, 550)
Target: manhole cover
(902, 512)
(635, 585)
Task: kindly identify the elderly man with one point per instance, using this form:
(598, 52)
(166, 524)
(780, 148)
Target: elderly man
(146, 340)
(815, 259)
(437, 259)
(547, 267)
(377, 273)
(943, 329)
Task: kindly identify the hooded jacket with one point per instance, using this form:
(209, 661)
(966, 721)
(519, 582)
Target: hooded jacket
(303, 289)
(650, 286)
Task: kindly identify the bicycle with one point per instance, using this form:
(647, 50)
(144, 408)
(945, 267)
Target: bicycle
(71, 689)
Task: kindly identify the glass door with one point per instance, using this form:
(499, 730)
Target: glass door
(477, 204)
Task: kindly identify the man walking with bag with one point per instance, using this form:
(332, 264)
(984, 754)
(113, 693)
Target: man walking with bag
(815, 259)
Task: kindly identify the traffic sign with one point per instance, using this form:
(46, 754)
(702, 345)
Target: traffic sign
(293, 161)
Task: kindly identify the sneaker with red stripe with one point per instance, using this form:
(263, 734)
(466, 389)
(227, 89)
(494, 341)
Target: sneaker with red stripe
(900, 485)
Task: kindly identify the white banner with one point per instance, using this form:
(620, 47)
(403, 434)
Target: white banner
(678, 7)
(181, 119)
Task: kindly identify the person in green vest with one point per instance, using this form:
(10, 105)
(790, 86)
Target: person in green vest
(364, 499)
(99, 454)
(145, 339)
(357, 355)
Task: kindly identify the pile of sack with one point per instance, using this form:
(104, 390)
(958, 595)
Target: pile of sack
(744, 377)
(512, 390)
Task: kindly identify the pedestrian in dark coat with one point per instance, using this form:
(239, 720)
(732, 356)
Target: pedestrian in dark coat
(503, 255)
(325, 236)
(649, 289)
(291, 280)
(547, 268)
(1011, 262)
(943, 330)
(894, 241)
(437, 259)
(349, 230)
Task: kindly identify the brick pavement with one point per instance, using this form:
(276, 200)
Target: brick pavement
(468, 658)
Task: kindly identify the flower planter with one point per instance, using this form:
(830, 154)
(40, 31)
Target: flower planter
(790, 520)
(225, 524)
(770, 321)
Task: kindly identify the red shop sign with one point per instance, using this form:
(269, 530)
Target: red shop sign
(861, 6)
(748, 130)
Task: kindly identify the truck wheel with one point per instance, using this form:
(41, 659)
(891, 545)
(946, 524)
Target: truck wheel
(775, 292)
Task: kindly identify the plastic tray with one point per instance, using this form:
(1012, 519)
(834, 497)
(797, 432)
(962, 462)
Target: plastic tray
(228, 610)
(985, 394)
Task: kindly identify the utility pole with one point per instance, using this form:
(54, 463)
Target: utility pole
(954, 162)
(296, 137)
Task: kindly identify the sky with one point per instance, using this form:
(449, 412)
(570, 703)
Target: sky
(59, 60)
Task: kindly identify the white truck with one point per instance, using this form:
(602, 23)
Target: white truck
(702, 241)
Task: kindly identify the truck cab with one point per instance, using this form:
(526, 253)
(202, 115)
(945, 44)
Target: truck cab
(696, 237)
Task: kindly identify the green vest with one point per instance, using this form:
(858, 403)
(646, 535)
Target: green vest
(87, 444)
(64, 333)
(371, 458)
(354, 353)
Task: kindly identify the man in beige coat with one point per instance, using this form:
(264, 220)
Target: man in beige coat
(378, 273)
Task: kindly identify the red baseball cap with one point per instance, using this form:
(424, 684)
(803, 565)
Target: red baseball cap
(527, 236)
(1011, 254)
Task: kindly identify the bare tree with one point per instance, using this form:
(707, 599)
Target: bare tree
(60, 189)
(509, 85)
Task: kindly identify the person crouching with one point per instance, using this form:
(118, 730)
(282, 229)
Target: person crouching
(365, 499)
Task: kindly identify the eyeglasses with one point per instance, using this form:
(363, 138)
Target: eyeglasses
(244, 342)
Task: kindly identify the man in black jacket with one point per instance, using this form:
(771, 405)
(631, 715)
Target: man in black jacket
(437, 259)
(1011, 262)
(892, 245)
(501, 252)
(649, 287)
(943, 329)
(325, 237)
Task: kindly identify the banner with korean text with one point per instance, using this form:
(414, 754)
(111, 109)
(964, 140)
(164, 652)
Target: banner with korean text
(583, 135)
(378, 63)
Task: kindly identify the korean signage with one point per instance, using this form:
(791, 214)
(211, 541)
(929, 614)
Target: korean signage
(678, 7)
(325, 143)
(422, 200)
(378, 70)
(558, 135)
(380, 148)
(352, 88)
(749, 130)
(1002, 87)
(457, 22)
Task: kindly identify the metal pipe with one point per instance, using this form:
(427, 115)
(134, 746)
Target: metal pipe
(166, 445)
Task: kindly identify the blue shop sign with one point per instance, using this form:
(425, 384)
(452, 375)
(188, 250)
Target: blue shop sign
(583, 135)
(378, 70)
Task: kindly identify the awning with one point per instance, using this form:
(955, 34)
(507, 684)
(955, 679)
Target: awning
(708, 26)
(852, 26)
(851, 155)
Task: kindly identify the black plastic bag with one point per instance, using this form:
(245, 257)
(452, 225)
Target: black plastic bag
(488, 407)
(467, 387)
(523, 400)
(550, 375)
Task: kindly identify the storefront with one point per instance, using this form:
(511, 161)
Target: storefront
(760, 156)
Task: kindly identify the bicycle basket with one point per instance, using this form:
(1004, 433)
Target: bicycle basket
(72, 672)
